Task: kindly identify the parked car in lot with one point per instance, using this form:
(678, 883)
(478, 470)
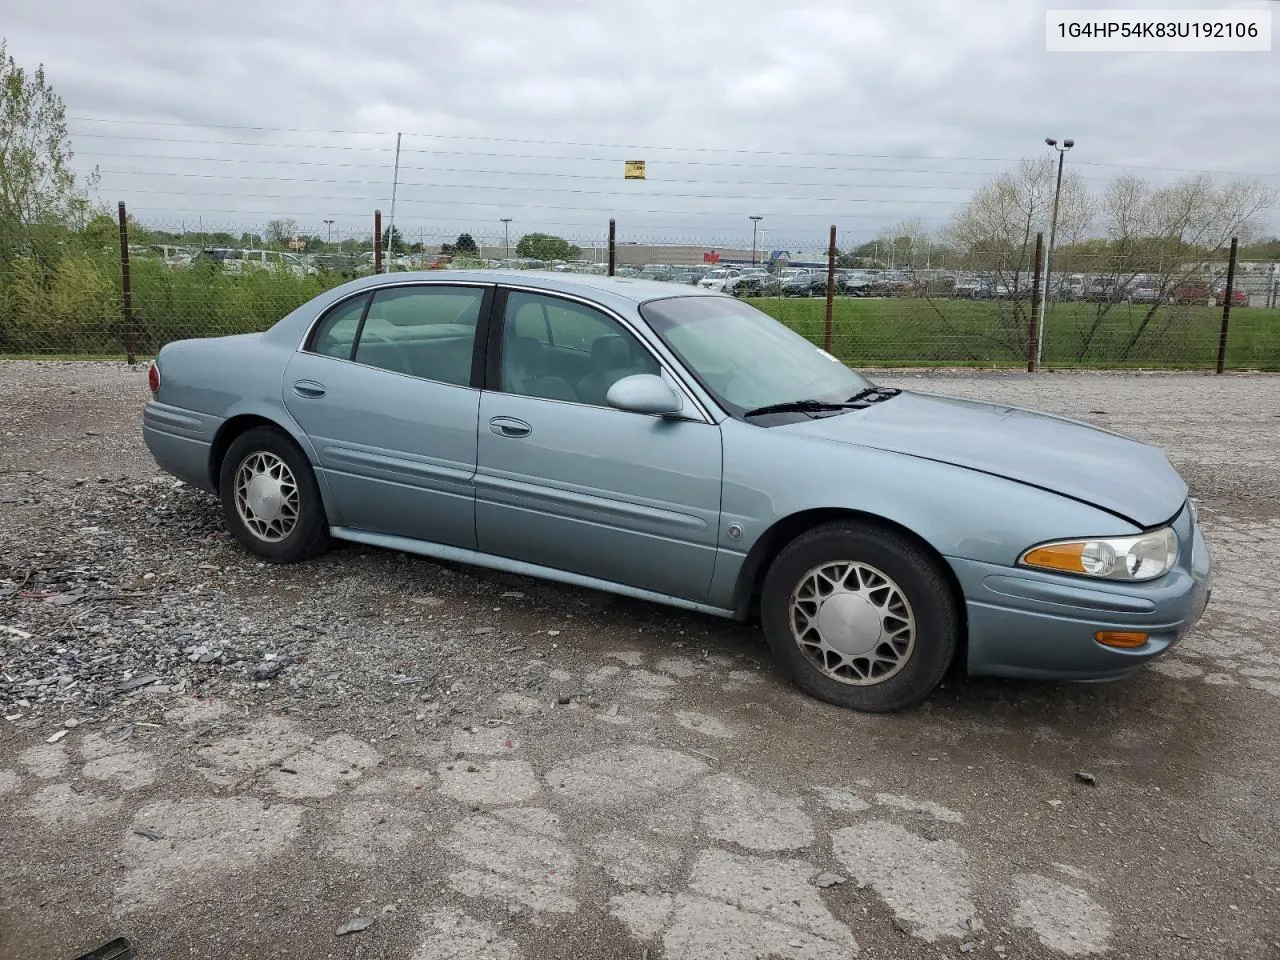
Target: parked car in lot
(753, 277)
(854, 283)
(1070, 287)
(349, 265)
(1144, 290)
(715, 279)
(1192, 292)
(1104, 290)
(657, 271)
(800, 282)
(677, 445)
(1239, 298)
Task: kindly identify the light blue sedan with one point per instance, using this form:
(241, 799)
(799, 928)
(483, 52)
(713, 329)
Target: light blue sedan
(677, 445)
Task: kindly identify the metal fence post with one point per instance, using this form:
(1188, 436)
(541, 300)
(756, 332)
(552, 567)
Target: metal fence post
(831, 288)
(1035, 331)
(127, 337)
(1226, 305)
(377, 241)
(613, 245)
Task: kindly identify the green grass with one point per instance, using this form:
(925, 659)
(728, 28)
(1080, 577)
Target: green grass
(72, 309)
(918, 332)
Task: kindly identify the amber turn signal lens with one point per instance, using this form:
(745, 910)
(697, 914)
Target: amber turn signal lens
(1057, 556)
(1120, 638)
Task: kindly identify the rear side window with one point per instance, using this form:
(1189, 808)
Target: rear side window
(426, 332)
(335, 336)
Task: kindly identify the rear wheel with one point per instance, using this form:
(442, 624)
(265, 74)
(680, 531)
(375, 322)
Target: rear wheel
(270, 498)
(860, 616)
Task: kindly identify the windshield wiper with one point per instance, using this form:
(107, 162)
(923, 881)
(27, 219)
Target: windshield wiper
(805, 406)
(874, 394)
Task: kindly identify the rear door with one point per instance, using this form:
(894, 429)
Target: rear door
(564, 480)
(384, 388)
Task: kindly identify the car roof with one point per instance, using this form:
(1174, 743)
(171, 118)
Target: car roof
(584, 284)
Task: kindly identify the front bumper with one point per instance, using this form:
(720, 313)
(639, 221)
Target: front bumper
(1032, 624)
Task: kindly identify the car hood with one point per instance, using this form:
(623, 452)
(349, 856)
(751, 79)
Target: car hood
(1124, 476)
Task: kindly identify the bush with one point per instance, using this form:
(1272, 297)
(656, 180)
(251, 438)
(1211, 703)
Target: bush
(69, 307)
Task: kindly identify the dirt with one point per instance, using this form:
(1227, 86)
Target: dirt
(478, 765)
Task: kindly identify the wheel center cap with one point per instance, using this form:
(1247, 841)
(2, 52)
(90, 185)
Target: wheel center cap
(849, 624)
(264, 497)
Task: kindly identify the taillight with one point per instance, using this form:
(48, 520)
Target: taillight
(153, 378)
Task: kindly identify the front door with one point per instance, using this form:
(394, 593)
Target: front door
(566, 481)
(384, 391)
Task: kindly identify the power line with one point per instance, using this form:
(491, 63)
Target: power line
(543, 189)
(522, 205)
(572, 176)
(557, 143)
(574, 143)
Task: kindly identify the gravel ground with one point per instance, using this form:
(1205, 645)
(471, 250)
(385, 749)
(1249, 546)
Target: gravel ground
(220, 758)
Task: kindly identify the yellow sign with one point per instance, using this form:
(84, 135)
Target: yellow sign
(633, 170)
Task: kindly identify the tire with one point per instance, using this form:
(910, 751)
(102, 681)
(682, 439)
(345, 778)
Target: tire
(880, 563)
(271, 451)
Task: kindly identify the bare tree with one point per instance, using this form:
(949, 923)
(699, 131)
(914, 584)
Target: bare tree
(995, 233)
(1169, 235)
(281, 232)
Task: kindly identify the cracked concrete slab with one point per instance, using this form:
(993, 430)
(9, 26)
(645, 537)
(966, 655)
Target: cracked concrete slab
(183, 843)
(623, 775)
(1064, 917)
(927, 884)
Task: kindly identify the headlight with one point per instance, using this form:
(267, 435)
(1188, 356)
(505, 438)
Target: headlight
(1143, 557)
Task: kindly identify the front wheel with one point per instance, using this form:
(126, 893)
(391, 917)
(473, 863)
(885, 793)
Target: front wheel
(270, 498)
(860, 616)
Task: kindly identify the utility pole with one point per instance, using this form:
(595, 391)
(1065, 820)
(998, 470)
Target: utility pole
(755, 224)
(1053, 230)
(391, 225)
(329, 224)
(506, 235)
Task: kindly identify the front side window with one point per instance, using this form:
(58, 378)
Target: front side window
(744, 357)
(426, 332)
(561, 350)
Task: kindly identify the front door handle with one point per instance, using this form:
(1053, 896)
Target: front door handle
(309, 389)
(510, 427)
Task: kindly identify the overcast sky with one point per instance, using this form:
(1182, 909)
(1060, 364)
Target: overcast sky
(806, 113)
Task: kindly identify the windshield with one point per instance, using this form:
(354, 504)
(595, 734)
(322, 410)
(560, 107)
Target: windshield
(744, 357)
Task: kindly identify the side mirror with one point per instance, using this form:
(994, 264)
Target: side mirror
(644, 393)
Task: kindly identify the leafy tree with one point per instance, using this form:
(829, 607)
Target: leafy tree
(393, 239)
(251, 241)
(465, 244)
(280, 232)
(37, 185)
(545, 246)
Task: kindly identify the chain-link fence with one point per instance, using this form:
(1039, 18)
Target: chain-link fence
(62, 291)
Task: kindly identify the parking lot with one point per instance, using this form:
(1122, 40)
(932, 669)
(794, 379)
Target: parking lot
(373, 755)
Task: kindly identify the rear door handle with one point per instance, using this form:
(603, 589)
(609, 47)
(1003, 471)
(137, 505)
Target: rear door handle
(510, 427)
(309, 389)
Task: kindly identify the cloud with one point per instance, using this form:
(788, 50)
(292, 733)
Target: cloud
(808, 113)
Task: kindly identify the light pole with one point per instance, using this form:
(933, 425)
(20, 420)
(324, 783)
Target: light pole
(1053, 230)
(329, 224)
(755, 225)
(506, 235)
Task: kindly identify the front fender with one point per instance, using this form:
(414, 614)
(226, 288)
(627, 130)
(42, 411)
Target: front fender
(777, 484)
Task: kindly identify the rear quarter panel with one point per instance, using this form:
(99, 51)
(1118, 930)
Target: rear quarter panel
(209, 382)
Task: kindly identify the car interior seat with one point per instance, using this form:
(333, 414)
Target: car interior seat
(612, 358)
(523, 372)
